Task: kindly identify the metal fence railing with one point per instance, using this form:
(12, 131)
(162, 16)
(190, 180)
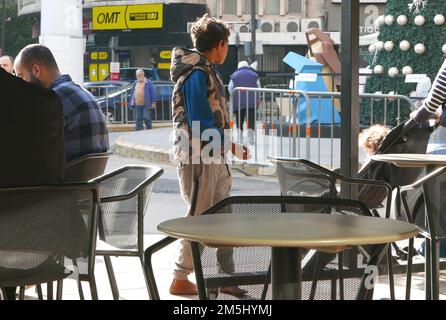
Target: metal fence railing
(290, 123)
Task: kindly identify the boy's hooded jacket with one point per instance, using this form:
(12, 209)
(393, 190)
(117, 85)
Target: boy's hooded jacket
(184, 62)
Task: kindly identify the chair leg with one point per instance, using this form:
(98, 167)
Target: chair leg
(267, 281)
(148, 272)
(391, 278)
(141, 259)
(435, 255)
(79, 284)
(409, 268)
(428, 270)
(39, 292)
(49, 291)
(111, 277)
(93, 288)
(148, 268)
(59, 290)
(22, 293)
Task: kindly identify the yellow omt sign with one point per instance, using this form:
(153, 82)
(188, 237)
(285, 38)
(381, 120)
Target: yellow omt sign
(147, 16)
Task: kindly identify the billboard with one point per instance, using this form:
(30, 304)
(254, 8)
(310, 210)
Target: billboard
(145, 16)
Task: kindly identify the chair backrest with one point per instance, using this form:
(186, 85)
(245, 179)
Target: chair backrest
(248, 267)
(45, 231)
(300, 177)
(124, 195)
(85, 168)
(32, 131)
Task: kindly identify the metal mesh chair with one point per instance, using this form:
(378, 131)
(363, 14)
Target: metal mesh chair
(46, 232)
(324, 275)
(124, 196)
(85, 168)
(300, 177)
(434, 228)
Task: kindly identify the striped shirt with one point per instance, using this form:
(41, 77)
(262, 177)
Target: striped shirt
(435, 99)
(85, 130)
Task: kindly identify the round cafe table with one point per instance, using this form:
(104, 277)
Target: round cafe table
(287, 234)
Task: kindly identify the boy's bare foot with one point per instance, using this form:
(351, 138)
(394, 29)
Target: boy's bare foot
(183, 288)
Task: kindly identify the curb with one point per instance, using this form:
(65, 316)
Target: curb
(117, 127)
(162, 155)
(140, 151)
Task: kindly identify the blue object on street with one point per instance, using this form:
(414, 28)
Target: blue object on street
(302, 64)
(421, 249)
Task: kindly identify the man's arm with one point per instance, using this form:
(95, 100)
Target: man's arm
(152, 90)
(435, 99)
(132, 92)
(231, 86)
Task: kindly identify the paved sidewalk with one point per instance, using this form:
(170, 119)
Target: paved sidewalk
(132, 287)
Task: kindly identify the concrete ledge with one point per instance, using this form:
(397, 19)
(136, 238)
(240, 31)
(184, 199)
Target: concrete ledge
(118, 127)
(139, 151)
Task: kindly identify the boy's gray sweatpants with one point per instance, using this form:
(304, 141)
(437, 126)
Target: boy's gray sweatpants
(202, 186)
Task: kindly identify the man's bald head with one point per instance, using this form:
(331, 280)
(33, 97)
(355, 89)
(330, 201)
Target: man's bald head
(36, 64)
(140, 75)
(7, 63)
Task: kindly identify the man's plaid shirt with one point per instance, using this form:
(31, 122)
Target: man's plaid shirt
(85, 129)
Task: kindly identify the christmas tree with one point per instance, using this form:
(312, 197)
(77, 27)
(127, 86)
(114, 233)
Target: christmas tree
(412, 40)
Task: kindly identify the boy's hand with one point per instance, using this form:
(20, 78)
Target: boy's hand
(240, 151)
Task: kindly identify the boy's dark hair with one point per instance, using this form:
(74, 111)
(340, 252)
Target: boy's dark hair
(207, 32)
(36, 53)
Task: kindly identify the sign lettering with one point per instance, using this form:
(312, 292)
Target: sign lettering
(148, 16)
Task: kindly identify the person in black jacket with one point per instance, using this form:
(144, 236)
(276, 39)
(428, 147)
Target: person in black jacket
(31, 129)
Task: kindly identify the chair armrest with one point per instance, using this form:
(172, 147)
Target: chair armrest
(420, 182)
(54, 187)
(157, 172)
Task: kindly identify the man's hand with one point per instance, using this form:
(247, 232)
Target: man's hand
(240, 151)
(437, 117)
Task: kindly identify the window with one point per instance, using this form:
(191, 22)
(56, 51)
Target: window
(247, 6)
(230, 7)
(272, 7)
(294, 6)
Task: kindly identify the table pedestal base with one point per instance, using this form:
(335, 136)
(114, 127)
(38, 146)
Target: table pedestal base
(286, 275)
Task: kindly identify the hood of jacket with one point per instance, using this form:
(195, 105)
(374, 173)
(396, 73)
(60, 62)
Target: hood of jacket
(184, 60)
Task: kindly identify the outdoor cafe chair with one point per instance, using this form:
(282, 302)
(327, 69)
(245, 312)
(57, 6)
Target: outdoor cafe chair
(325, 275)
(46, 232)
(433, 230)
(86, 167)
(301, 177)
(82, 169)
(124, 197)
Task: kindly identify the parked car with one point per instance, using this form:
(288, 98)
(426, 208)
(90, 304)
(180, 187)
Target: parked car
(113, 97)
(110, 96)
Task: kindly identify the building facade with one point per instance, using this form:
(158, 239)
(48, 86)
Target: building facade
(142, 33)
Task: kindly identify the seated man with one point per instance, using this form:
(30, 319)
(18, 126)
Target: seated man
(31, 127)
(85, 129)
